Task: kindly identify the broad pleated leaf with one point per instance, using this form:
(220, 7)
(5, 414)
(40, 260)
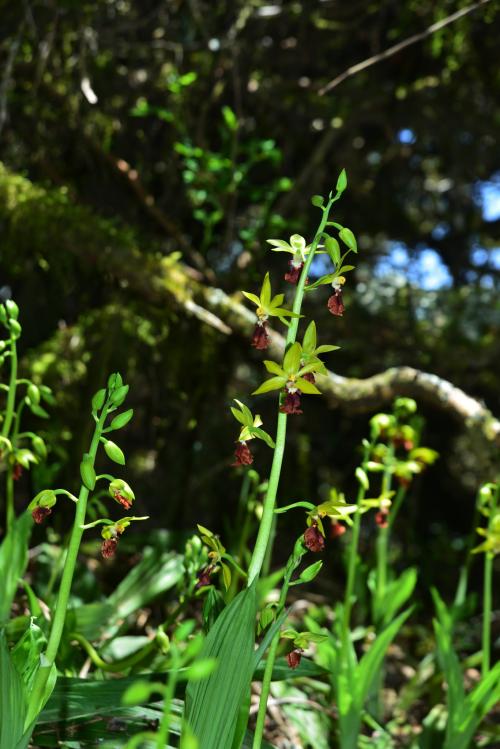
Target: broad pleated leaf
(212, 705)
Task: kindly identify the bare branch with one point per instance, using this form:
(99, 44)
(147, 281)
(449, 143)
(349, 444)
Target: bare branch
(354, 69)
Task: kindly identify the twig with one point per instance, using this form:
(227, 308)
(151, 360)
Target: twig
(399, 46)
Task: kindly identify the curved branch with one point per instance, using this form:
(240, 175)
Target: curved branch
(390, 51)
(163, 281)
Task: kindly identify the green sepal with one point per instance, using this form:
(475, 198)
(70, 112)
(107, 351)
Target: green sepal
(275, 383)
(307, 387)
(264, 436)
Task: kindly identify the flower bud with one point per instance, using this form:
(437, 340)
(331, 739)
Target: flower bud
(12, 309)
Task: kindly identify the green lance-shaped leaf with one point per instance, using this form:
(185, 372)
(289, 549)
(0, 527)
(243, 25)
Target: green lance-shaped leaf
(114, 452)
(369, 665)
(121, 420)
(212, 705)
(87, 472)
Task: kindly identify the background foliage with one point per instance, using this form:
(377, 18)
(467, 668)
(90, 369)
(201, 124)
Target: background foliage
(190, 132)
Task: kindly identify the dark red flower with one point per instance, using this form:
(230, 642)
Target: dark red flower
(204, 576)
(108, 547)
(243, 455)
(126, 503)
(40, 513)
(335, 303)
(381, 518)
(260, 338)
(309, 376)
(314, 539)
(294, 657)
(291, 403)
(17, 471)
(293, 274)
(399, 441)
(337, 530)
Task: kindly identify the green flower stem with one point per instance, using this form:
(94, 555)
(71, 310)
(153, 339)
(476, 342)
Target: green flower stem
(353, 559)
(396, 506)
(487, 597)
(11, 395)
(486, 638)
(9, 496)
(293, 563)
(382, 543)
(164, 728)
(38, 692)
(266, 567)
(266, 522)
(235, 564)
(9, 415)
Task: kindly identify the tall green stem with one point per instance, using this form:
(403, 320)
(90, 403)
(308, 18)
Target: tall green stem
(353, 558)
(487, 594)
(164, 729)
(487, 588)
(9, 497)
(266, 522)
(11, 395)
(9, 415)
(271, 655)
(383, 542)
(37, 695)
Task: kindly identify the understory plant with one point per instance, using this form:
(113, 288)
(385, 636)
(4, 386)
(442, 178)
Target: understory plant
(29, 672)
(19, 451)
(217, 708)
(465, 711)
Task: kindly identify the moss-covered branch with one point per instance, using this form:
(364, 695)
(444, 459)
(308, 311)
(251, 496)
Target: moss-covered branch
(31, 214)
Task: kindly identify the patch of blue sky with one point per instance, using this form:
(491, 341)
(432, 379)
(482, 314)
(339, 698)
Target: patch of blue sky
(406, 135)
(491, 258)
(424, 269)
(489, 198)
